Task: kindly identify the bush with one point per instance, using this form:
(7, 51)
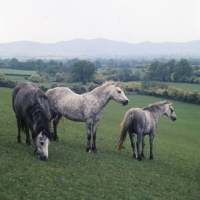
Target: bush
(53, 85)
(133, 87)
(92, 86)
(58, 77)
(43, 88)
(5, 82)
(62, 85)
(35, 78)
(99, 79)
(79, 89)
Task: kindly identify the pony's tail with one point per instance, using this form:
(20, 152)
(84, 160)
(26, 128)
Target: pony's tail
(125, 126)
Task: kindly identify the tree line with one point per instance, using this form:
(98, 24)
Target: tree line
(152, 75)
(173, 71)
(73, 70)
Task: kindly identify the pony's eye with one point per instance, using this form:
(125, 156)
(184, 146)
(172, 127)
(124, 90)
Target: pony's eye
(119, 91)
(42, 143)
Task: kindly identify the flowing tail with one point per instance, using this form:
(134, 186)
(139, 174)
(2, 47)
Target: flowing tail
(125, 126)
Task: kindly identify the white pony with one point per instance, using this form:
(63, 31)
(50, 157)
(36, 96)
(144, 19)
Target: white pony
(86, 107)
(144, 121)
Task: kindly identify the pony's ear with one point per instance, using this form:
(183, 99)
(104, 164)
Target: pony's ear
(117, 84)
(40, 134)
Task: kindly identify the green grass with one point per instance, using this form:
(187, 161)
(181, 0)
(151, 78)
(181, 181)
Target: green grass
(186, 86)
(71, 173)
(17, 72)
(19, 79)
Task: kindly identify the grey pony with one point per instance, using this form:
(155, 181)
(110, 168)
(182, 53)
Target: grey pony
(31, 108)
(144, 121)
(86, 107)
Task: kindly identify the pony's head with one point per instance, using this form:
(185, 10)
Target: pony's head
(169, 112)
(118, 95)
(41, 146)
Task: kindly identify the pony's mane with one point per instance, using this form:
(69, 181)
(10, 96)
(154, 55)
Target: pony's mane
(40, 115)
(108, 83)
(40, 93)
(105, 85)
(156, 106)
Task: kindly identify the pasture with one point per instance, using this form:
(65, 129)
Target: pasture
(15, 72)
(71, 173)
(185, 86)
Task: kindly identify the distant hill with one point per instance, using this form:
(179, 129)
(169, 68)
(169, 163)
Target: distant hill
(98, 48)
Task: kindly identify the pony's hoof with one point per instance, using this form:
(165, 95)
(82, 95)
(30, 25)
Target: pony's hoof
(142, 155)
(134, 156)
(139, 158)
(151, 157)
(95, 151)
(88, 149)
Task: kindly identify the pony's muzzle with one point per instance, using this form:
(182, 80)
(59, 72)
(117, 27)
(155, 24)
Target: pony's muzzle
(42, 157)
(125, 103)
(173, 118)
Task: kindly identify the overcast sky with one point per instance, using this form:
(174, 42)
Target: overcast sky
(132, 21)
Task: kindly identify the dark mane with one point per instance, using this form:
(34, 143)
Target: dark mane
(154, 107)
(40, 115)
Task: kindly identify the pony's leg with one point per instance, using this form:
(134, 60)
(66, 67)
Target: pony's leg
(32, 130)
(132, 144)
(89, 130)
(139, 138)
(94, 149)
(19, 129)
(151, 137)
(55, 123)
(143, 144)
(28, 141)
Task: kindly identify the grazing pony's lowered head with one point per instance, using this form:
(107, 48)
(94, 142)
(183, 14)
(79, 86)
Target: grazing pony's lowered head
(118, 95)
(41, 146)
(169, 112)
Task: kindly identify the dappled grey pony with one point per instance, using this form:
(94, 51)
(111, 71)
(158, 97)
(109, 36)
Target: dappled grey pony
(32, 112)
(86, 107)
(142, 122)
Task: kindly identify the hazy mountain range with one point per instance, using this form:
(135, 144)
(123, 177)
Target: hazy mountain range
(98, 48)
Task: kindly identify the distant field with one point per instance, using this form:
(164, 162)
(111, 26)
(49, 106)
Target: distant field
(186, 86)
(71, 173)
(18, 78)
(17, 72)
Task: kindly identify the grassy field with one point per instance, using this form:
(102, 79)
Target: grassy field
(17, 72)
(186, 86)
(71, 173)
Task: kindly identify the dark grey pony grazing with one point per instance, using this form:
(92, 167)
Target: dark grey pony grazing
(32, 112)
(86, 107)
(142, 122)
